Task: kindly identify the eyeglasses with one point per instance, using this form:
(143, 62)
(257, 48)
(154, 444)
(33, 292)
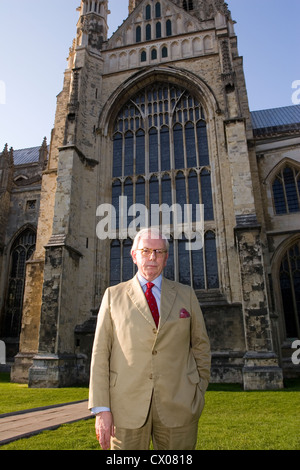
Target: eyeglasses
(148, 252)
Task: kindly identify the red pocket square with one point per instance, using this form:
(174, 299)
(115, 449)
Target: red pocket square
(184, 313)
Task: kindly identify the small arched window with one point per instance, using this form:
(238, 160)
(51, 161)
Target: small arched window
(157, 10)
(158, 30)
(148, 12)
(154, 54)
(168, 28)
(148, 32)
(164, 52)
(138, 34)
(188, 5)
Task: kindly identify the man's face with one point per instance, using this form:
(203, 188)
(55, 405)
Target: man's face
(150, 267)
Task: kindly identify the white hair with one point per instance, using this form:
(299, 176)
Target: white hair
(150, 232)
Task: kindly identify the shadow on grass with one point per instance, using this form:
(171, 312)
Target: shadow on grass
(4, 377)
(290, 385)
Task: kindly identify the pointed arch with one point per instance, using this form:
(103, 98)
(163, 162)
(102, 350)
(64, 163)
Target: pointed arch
(284, 183)
(138, 34)
(148, 12)
(187, 79)
(285, 269)
(279, 166)
(166, 119)
(157, 10)
(168, 28)
(21, 250)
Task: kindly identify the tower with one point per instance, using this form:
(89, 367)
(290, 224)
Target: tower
(65, 239)
(93, 23)
(157, 114)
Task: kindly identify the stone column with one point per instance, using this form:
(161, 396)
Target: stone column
(30, 321)
(55, 364)
(261, 370)
(55, 361)
(29, 338)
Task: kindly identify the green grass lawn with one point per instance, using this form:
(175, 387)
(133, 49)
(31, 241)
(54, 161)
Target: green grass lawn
(232, 419)
(17, 397)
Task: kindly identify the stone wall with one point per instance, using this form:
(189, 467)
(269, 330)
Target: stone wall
(72, 265)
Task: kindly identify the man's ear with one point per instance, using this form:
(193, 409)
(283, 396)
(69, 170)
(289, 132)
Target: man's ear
(133, 256)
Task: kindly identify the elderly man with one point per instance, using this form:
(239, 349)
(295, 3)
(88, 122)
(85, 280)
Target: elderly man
(151, 357)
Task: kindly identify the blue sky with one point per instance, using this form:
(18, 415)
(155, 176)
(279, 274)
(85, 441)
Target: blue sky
(35, 37)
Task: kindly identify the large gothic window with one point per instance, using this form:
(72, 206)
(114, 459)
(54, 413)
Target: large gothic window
(290, 290)
(21, 251)
(160, 156)
(286, 191)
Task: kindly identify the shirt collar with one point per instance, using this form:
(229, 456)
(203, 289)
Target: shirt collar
(157, 282)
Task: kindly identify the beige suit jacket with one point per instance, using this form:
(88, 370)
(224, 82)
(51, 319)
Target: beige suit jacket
(132, 359)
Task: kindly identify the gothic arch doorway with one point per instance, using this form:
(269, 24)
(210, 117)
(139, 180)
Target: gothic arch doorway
(289, 280)
(21, 250)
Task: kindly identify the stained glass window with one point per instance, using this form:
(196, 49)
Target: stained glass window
(286, 191)
(289, 275)
(161, 159)
(21, 251)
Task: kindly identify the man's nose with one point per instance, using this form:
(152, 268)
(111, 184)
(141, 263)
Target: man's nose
(153, 254)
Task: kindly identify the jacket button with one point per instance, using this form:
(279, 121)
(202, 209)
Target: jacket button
(154, 331)
(154, 353)
(150, 376)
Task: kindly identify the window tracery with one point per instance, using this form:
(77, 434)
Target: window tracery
(21, 251)
(160, 156)
(289, 275)
(286, 191)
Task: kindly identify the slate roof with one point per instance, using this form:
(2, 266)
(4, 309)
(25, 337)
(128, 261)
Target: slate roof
(26, 156)
(276, 120)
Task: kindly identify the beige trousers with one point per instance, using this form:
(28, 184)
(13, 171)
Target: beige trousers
(163, 438)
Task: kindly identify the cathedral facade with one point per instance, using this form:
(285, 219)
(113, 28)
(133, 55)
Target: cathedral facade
(157, 116)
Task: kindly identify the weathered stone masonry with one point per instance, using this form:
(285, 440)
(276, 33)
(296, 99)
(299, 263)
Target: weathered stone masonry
(187, 46)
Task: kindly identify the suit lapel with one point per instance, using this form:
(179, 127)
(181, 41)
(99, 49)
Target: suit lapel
(168, 294)
(137, 296)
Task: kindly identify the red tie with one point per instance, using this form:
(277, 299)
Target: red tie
(152, 303)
